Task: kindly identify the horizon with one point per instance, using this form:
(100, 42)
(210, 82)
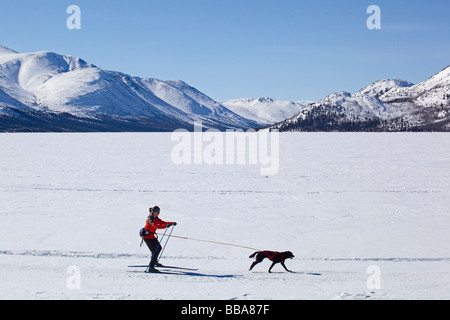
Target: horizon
(231, 50)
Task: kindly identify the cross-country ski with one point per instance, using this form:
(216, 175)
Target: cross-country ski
(164, 267)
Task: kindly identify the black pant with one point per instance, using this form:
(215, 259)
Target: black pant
(155, 248)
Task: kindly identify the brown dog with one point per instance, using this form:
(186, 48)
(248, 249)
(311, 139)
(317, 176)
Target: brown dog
(275, 257)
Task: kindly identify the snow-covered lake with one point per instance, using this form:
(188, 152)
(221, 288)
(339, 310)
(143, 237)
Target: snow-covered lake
(366, 215)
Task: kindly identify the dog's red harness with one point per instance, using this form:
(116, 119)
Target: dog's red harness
(272, 254)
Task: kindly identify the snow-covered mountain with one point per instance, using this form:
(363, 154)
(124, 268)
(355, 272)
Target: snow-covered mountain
(48, 91)
(265, 111)
(386, 105)
(45, 91)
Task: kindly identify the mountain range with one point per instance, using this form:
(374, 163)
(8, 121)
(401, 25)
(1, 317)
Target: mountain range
(265, 111)
(45, 91)
(48, 92)
(385, 105)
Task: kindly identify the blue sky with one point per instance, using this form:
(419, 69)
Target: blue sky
(285, 49)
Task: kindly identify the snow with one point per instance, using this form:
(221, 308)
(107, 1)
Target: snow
(382, 86)
(265, 111)
(6, 51)
(428, 92)
(340, 202)
(421, 105)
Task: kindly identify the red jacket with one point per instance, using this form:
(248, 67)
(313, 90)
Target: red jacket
(154, 225)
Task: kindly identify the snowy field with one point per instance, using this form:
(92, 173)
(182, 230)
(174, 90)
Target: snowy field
(366, 215)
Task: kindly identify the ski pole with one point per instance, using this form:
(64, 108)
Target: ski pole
(156, 250)
(168, 237)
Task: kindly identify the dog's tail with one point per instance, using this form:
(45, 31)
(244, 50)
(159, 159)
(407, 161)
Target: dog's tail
(254, 254)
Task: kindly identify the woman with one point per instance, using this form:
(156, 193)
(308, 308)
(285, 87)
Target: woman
(152, 224)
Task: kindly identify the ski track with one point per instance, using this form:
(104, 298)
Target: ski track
(43, 188)
(312, 277)
(92, 255)
(111, 255)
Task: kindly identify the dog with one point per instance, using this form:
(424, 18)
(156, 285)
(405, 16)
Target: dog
(275, 257)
